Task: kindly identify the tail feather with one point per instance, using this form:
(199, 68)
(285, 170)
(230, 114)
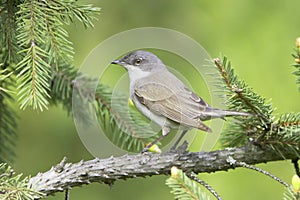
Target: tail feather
(229, 113)
(211, 113)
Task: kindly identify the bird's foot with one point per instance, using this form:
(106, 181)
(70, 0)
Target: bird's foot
(181, 149)
(145, 149)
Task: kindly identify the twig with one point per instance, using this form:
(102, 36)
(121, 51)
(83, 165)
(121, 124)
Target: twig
(67, 194)
(194, 177)
(245, 165)
(296, 166)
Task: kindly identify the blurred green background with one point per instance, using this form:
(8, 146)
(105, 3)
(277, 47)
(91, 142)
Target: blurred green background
(257, 36)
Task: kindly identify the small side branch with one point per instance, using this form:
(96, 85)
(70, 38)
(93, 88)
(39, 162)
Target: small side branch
(245, 165)
(296, 166)
(194, 177)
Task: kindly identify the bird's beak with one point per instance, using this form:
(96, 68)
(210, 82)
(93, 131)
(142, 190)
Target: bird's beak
(117, 62)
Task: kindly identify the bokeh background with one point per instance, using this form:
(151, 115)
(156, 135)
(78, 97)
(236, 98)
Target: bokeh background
(257, 36)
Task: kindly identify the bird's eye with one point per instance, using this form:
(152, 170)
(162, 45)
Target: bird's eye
(138, 61)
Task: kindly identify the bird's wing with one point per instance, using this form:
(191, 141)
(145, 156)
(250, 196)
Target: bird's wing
(174, 102)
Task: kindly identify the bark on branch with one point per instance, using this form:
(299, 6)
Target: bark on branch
(66, 175)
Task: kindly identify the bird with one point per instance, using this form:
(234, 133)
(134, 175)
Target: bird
(165, 99)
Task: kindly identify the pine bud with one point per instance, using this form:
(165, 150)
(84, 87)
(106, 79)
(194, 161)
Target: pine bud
(296, 183)
(130, 103)
(155, 149)
(298, 42)
(174, 172)
(297, 60)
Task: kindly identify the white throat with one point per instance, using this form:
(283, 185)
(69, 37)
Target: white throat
(136, 73)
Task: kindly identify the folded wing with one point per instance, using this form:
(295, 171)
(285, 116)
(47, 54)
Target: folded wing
(175, 102)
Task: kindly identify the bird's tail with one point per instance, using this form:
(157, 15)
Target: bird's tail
(229, 113)
(219, 113)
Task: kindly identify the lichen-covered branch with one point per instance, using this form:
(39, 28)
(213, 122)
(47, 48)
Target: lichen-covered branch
(67, 175)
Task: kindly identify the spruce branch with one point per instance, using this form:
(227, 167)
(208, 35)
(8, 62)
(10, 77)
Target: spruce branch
(123, 125)
(13, 187)
(261, 128)
(8, 117)
(290, 195)
(60, 48)
(58, 13)
(183, 187)
(8, 31)
(68, 10)
(284, 133)
(194, 177)
(62, 86)
(8, 127)
(239, 96)
(33, 43)
(109, 170)
(44, 43)
(296, 64)
(34, 68)
(293, 192)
